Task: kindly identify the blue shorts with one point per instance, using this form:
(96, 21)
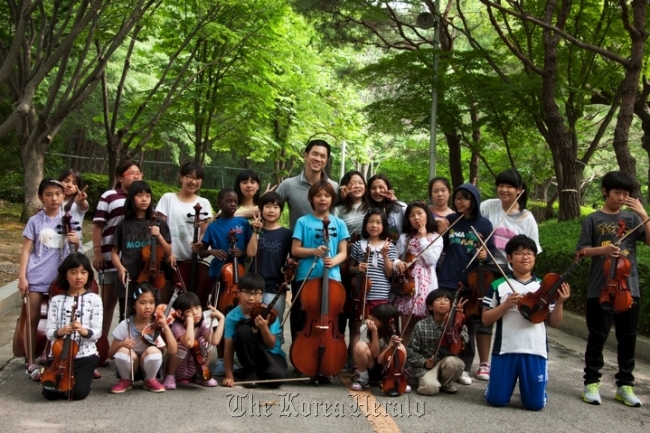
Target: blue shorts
(532, 371)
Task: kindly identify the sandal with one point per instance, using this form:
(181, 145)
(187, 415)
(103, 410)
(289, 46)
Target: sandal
(34, 372)
(360, 384)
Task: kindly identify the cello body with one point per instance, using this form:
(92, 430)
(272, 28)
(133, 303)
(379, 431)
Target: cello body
(319, 349)
(478, 281)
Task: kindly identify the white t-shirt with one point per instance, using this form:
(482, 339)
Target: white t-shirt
(520, 223)
(77, 221)
(180, 225)
(514, 334)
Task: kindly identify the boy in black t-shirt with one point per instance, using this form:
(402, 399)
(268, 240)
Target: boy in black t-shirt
(600, 231)
(270, 246)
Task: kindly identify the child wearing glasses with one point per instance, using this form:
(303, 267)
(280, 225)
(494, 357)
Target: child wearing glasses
(461, 244)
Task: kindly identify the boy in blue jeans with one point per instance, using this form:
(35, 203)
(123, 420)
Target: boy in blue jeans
(520, 347)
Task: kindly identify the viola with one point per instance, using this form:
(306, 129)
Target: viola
(478, 280)
(267, 311)
(616, 296)
(356, 305)
(534, 306)
(194, 272)
(151, 332)
(59, 376)
(152, 258)
(230, 273)
(395, 378)
(319, 349)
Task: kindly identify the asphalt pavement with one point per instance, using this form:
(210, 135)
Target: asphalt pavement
(299, 407)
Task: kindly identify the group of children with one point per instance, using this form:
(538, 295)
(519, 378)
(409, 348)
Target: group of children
(434, 247)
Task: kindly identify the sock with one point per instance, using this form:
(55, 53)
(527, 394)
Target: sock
(151, 364)
(364, 374)
(123, 364)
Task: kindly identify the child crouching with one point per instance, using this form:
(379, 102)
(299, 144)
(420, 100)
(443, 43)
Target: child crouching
(435, 367)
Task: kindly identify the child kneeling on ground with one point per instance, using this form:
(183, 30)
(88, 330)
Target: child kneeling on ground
(520, 347)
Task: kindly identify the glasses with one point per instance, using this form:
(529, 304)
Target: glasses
(461, 198)
(132, 173)
(247, 293)
(192, 178)
(523, 254)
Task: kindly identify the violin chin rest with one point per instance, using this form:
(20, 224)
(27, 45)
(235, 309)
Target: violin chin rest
(392, 393)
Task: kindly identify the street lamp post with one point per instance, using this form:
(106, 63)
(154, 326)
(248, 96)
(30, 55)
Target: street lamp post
(425, 21)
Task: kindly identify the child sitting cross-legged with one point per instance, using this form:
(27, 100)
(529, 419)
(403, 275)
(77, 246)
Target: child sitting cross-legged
(431, 363)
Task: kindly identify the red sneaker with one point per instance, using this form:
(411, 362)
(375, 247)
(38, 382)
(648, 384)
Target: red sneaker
(153, 385)
(121, 386)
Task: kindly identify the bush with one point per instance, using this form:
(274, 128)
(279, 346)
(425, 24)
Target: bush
(11, 187)
(559, 240)
(538, 208)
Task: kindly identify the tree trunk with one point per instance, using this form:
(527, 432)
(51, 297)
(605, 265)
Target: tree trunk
(455, 162)
(33, 158)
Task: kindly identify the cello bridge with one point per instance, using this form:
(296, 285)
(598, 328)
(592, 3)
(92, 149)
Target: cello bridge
(322, 327)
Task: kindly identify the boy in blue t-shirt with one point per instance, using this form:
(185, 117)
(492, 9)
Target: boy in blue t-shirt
(520, 348)
(216, 239)
(256, 344)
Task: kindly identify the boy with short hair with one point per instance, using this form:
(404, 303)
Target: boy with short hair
(270, 246)
(600, 231)
(257, 347)
(437, 374)
(520, 347)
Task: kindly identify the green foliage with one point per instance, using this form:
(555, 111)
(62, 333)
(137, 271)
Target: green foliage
(559, 239)
(11, 187)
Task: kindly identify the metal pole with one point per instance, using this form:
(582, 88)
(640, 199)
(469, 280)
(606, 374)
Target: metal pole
(434, 93)
(343, 155)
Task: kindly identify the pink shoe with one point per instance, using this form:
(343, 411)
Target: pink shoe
(153, 385)
(97, 374)
(209, 383)
(121, 386)
(170, 382)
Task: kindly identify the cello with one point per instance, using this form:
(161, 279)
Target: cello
(59, 376)
(395, 378)
(152, 258)
(195, 272)
(319, 349)
(230, 273)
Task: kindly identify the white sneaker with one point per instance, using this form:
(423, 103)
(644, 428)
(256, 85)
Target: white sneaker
(483, 372)
(591, 395)
(625, 394)
(464, 379)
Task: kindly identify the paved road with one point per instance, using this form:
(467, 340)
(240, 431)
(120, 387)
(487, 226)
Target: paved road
(303, 408)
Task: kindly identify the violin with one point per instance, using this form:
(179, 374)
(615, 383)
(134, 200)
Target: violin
(197, 353)
(395, 378)
(151, 332)
(356, 305)
(268, 311)
(478, 280)
(319, 349)
(616, 296)
(59, 376)
(230, 273)
(152, 258)
(451, 340)
(194, 272)
(534, 306)
(403, 282)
